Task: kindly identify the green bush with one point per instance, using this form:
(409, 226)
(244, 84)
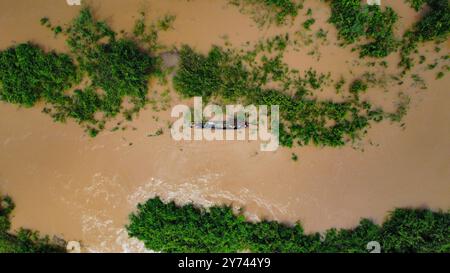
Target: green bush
(120, 69)
(167, 227)
(28, 74)
(355, 21)
(416, 4)
(198, 75)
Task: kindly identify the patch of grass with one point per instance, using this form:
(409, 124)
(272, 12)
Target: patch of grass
(170, 228)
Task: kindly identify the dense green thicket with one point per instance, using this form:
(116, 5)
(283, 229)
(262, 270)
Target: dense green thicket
(266, 12)
(434, 26)
(25, 241)
(171, 228)
(115, 69)
(355, 21)
(28, 74)
(227, 76)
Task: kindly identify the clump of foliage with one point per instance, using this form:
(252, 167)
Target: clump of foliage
(114, 68)
(28, 74)
(355, 21)
(266, 12)
(294, 157)
(416, 4)
(434, 26)
(308, 23)
(167, 227)
(227, 76)
(24, 241)
(358, 87)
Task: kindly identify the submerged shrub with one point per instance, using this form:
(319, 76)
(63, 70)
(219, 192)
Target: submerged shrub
(117, 69)
(266, 12)
(120, 69)
(416, 4)
(117, 66)
(28, 74)
(434, 26)
(227, 76)
(198, 75)
(355, 21)
(167, 227)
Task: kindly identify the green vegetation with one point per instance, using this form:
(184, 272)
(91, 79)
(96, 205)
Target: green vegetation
(28, 74)
(116, 66)
(358, 87)
(308, 23)
(171, 228)
(109, 73)
(355, 21)
(416, 4)
(114, 69)
(266, 12)
(228, 76)
(434, 26)
(24, 241)
(148, 35)
(294, 157)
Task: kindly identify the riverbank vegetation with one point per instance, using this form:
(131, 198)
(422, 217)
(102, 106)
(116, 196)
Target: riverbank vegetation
(24, 240)
(167, 227)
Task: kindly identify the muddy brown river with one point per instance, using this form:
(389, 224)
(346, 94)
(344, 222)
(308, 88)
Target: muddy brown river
(67, 184)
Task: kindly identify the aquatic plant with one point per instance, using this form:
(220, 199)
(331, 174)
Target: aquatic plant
(355, 21)
(227, 76)
(24, 240)
(416, 4)
(28, 74)
(266, 12)
(168, 227)
(308, 23)
(114, 68)
(434, 26)
(358, 87)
